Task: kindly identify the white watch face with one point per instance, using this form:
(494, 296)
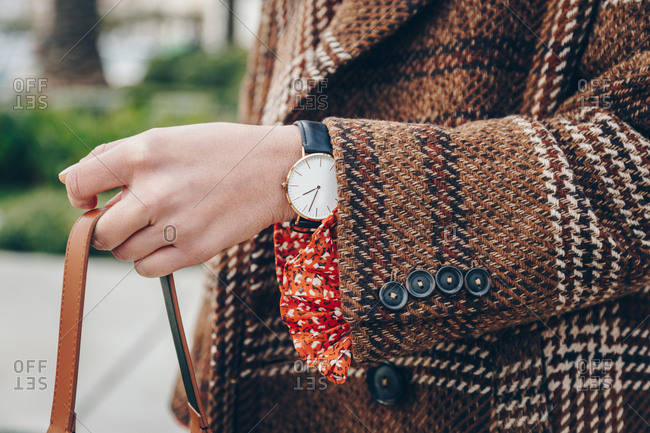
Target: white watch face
(311, 186)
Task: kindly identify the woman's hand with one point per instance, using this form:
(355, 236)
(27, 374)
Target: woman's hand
(188, 192)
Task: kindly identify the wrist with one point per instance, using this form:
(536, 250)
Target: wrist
(287, 150)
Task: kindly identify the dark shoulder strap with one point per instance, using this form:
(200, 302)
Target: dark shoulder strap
(183, 352)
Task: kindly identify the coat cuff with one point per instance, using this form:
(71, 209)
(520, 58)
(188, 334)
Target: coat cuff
(552, 209)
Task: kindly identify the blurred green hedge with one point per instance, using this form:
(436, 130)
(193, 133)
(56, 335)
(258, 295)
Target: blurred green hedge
(35, 145)
(195, 70)
(36, 220)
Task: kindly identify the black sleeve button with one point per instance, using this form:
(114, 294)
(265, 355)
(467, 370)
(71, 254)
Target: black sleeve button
(386, 383)
(393, 295)
(477, 281)
(420, 283)
(449, 279)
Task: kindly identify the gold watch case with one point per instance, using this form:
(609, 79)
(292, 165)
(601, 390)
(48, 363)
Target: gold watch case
(285, 184)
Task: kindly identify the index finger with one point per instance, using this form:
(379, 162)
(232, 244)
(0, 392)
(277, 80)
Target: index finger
(99, 173)
(98, 150)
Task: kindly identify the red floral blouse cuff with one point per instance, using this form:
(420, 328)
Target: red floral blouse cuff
(310, 304)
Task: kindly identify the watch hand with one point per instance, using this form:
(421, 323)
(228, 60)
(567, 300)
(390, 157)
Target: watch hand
(310, 191)
(314, 199)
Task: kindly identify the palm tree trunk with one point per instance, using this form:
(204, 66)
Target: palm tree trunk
(230, 29)
(70, 52)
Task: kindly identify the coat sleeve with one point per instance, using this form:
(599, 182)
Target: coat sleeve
(556, 209)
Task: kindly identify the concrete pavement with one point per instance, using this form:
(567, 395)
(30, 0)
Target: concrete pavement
(127, 364)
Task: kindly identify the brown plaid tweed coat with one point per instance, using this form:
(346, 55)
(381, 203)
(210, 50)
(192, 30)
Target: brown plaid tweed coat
(509, 134)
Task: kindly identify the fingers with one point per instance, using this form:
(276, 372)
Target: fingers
(152, 253)
(164, 261)
(103, 148)
(140, 245)
(96, 152)
(117, 197)
(100, 173)
(124, 217)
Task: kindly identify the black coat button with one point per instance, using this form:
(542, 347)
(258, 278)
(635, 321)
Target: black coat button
(449, 279)
(393, 295)
(386, 383)
(420, 283)
(477, 281)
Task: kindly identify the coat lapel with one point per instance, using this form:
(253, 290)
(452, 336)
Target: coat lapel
(318, 38)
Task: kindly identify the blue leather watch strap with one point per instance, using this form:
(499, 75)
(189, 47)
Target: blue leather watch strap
(315, 137)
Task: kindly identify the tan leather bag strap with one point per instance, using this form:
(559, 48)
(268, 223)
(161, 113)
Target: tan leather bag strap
(63, 417)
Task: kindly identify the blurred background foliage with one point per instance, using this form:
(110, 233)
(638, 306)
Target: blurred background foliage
(187, 86)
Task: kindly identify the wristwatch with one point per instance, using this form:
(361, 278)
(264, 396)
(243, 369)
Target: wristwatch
(311, 182)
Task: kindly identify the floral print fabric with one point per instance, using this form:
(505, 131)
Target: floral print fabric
(310, 303)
